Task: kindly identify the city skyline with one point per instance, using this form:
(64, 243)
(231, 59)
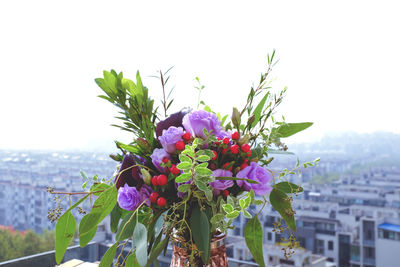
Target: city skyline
(340, 73)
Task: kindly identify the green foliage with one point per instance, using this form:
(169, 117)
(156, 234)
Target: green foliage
(108, 257)
(288, 187)
(65, 230)
(253, 235)
(137, 115)
(283, 204)
(288, 129)
(200, 226)
(140, 242)
(19, 244)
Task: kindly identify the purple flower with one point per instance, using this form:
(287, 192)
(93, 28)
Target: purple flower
(169, 138)
(128, 197)
(144, 194)
(256, 173)
(223, 134)
(127, 174)
(156, 158)
(222, 184)
(196, 121)
(173, 120)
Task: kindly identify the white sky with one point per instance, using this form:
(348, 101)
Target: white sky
(339, 59)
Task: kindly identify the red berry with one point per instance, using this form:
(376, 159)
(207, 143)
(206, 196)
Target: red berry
(235, 136)
(186, 136)
(162, 180)
(224, 151)
(165, 160)
(245, 148)
(244, 165)
(174, 170)
(215, 155)
(249, 154)
(225, 193)
(225, 140)
(153, 197)
(161, 202)
(154, 180)
(235, 149)
(180, 145)
(219, 139)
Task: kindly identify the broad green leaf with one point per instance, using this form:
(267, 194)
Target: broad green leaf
(184, 158)
(288, 129)
(233, 214)
(209, 195)
(126, 227)
(139, 240)
(236, 179)
(65, 230)
(200, 226)
(203, 158)
(184, 165)
(207, 152)
(101, 208)
(202, 171)
(287, 187)
(155, 252)
(85, 238)
(183, 178)
(281, 202)
(99, 187)
(258, 202)
(108, 257)
(115, 216)
(253, 235)
(184, 188)
(131, 261)
(227, 208)
(202, 186)
(259, 109)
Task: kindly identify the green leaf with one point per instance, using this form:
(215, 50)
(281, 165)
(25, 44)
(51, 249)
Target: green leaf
(207, 152)
(126, 227)
(253, 235)
(202, 186)
(258, 202)
(288, 129)
(140, 242)
(233, 214)
(201, 232)
(202, 171)
(236, 179)
(156, 251)
(203, 158)
(209, 195)
(101, 208)
(287, 187)
(227, 208)
(184, 165)
(108, 257)
(217, 218)
(184, 158)
(184, 188)
(115, 216)
(99, 187)
(183, 178)
(65, 230)
(85, 238)
(258, 110)
(247, 214)
(131, 261)
(280, 201)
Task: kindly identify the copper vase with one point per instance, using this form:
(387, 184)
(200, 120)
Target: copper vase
(218, 256)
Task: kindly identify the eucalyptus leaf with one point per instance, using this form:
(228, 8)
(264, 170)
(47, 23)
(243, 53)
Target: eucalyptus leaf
(126, 227)
(200, 226)
(140, 242)
(108, 257)
(288, 187)
(65, 230)
(288, 129)
(281, 202)
(253, 235)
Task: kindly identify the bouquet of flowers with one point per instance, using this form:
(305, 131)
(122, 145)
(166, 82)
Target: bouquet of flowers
(185, 177)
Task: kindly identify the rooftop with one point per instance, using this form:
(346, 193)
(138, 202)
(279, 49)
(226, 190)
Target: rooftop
(390, 227)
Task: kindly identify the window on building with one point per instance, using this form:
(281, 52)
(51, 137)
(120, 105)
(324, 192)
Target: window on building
(320, 246)
(269, 236)
(330, 245)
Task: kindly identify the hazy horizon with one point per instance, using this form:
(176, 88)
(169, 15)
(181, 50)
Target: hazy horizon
(339, 61)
